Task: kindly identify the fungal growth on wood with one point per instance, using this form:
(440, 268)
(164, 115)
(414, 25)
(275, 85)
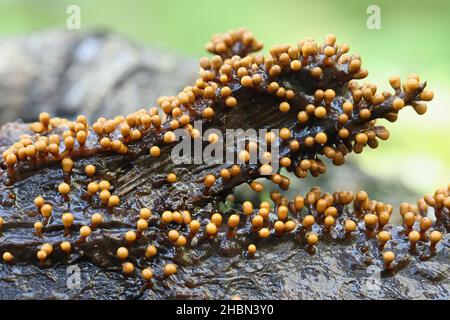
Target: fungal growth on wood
(110, 192)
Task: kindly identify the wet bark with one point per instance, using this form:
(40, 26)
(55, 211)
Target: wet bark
(102, 74)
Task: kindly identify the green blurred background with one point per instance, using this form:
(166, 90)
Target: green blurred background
(413, 39)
